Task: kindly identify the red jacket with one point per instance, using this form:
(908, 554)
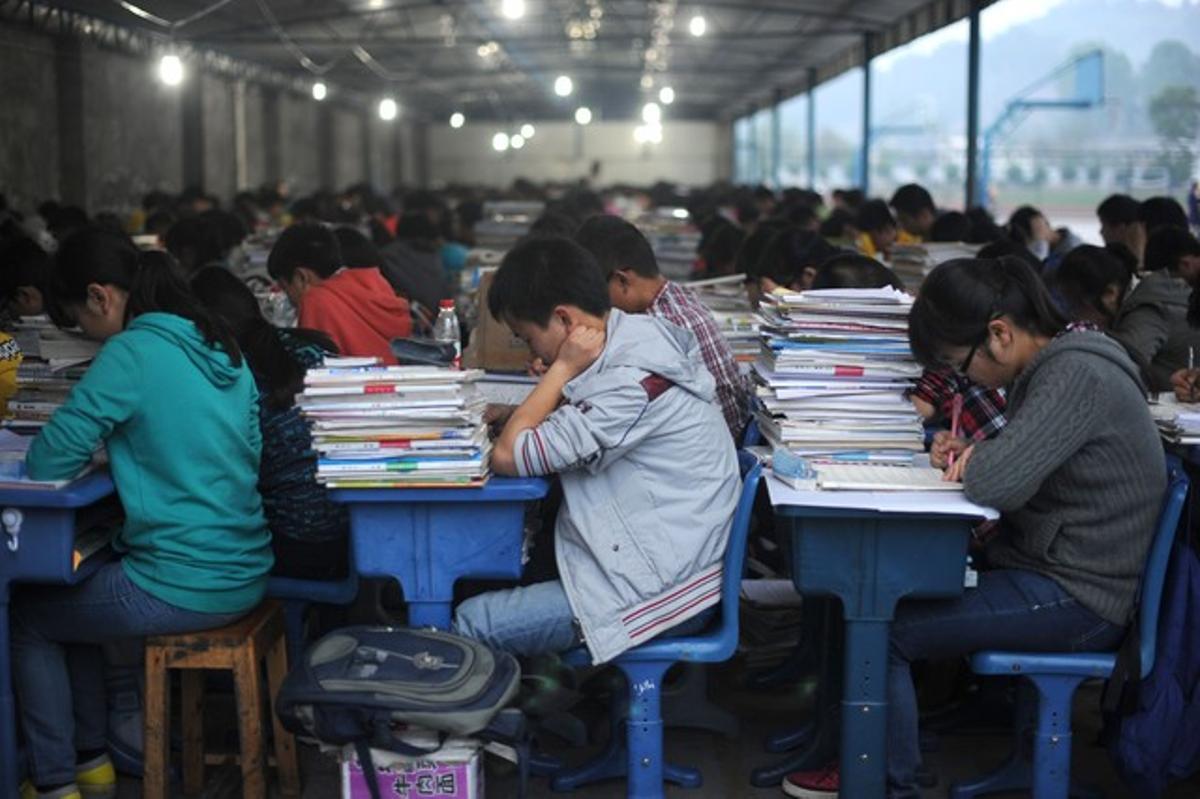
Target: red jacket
(360, 312)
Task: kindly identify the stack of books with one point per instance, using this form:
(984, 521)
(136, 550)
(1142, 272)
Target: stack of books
(53, 361)
(674, 240)
(1178, 422)
(832, 375)
(726, 298)
(506, 221)
(913, 262)
(396, 426)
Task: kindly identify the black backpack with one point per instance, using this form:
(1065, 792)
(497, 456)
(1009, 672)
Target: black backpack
(358, 685)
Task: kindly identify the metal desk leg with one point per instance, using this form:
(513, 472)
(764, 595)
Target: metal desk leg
(425, 613)
(9, 773)
(864, 709)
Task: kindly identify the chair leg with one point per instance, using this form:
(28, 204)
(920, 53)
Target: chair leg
(686, 704)
(248, 687)
(192, 721)
(294, 611)
(1016, 773)
(610, 763)
(157, 733)
(1052, 737)
(285, 744)
(644, 733)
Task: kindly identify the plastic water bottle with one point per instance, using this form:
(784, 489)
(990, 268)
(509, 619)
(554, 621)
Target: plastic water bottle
(445, 330)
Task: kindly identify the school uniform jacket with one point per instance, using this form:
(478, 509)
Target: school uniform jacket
(650, 482)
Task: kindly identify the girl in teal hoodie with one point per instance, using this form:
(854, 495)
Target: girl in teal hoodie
(171, 398)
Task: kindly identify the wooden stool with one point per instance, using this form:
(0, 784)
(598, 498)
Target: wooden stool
(239, 647)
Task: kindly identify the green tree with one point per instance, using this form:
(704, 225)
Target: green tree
(1175, 115)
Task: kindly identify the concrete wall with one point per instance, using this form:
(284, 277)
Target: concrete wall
(690, 154)
(28, 118)
(348, 153)
(256, 137)
(220, 165)
(298, 145)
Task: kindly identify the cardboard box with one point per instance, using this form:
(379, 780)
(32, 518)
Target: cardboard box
(453, 772)
(493, 346)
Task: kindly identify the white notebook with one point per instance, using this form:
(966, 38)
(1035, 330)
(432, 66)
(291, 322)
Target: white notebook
(881, 477)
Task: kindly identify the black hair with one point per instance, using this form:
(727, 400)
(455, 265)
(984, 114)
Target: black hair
(1118, 209)
(277, 370)
(951, 226)
(1085, 275)
(983, 226)
(417, 229)
(853, 198)
(752, 248)
(851, 270)
(874, 215)
(1020, 224)
(66, 219)
(746, 210)
(23, 262)
(1158, 212)
(151, 278)
(962, 296)
(1167, 245)
(616, 244)
(159, 223)
(420, 201)
(358, 252)
(196, 242)
(834, 226)
(720, 252)
(230, 229)
(763, 193)
(800, 213)
(1123, 254)
(790, 252)
(1006, 247)
(554, 223)
(310, 245)
(540, 274)
(912, 198)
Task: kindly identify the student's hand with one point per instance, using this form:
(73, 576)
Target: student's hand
(944, 443)
(954, 474)
(496, 416)
(1185, 384)
(580, 350)
(536, 368)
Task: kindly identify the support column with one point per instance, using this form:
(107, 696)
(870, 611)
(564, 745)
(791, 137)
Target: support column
(811, 125)
(973, 189)
(864, 158)
(192, 107)
(72, 163)
(776, 140)
(326, 168)
(272, 135)
(241, 164)
(421, 153)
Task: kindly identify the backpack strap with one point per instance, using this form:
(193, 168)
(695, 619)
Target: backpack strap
(1120, 694)
(362, 748)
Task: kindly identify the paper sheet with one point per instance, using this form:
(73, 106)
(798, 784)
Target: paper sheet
(922, 502)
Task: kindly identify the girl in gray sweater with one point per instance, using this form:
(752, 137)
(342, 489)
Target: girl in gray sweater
(1077, 474)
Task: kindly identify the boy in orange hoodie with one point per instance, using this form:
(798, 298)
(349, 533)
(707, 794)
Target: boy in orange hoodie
(355, 307)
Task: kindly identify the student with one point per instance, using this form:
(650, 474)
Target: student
(915, 212)
(877, 229)
(1028, 226)
(1120, 223)
(791, 259)
(635, 286)
(952, 226)
(1152, 323)
(1065, 567)
(24, 275)
(750, 254)
(356, 308)
(849, 270)
(718, 255)
(1159, 212)
(1090, 285)
(172, 401)
(308, 530)
(625, 415)
(412, 263)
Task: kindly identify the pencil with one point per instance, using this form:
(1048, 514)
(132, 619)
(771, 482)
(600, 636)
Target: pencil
(955, 422)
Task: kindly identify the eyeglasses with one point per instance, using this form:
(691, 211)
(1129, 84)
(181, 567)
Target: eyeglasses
(961, 369)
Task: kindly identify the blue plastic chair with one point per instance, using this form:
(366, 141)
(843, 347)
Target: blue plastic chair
(297, 595)
(638, 754)
(751, 436)
(1045, 711)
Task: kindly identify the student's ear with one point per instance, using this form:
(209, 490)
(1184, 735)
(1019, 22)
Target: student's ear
(1002, 332)
(563, 314)
(624, 278)
(1111, 299)
(28, 300)
(97, 298)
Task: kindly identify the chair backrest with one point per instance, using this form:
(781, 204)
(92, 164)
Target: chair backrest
(735, 551)
(1155, 573)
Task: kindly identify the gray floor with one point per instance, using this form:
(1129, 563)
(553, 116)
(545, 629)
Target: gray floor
(726, 763)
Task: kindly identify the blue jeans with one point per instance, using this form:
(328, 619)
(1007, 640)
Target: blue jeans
(529, 620)
(58, 667)
(1011, 609)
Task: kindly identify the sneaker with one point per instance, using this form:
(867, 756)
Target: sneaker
(97, 779)
(822, 784)
(66, 792)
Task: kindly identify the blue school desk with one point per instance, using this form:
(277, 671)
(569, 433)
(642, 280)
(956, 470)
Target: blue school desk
(870, 559)
(429, 538)
(37, 544)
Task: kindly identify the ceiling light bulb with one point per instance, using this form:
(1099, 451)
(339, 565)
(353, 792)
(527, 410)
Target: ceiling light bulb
(500, 142)
(527, 131)
(170, 70)
(639, 134)
(457, 120)
(563, 86)
(666, 95)
(651, 113)
(512, 9)
(388, 109)
(319, 90)
(583, 115)
(647, 82)
(698, 25)
(516, 142)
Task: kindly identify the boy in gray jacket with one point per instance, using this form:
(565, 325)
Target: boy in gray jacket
(625, 414)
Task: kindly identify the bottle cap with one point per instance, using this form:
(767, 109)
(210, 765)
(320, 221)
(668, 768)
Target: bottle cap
(446, 304)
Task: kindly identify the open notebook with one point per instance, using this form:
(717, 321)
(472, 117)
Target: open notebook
(881, 477)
